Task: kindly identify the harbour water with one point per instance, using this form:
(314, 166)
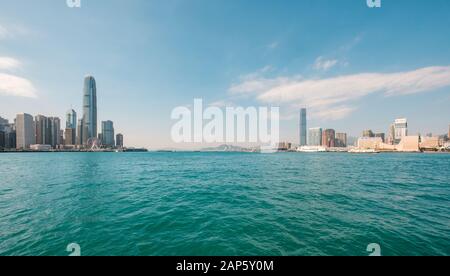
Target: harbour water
(224, 203)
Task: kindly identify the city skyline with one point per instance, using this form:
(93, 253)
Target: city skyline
(351, 75)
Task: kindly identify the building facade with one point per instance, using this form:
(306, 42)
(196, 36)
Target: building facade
(89, 108)
(43, 130)
(368, 133)
(341, 140)
(303, 127)
(71, 119)
(381, 135)
(328, 138)
(119, 140)
(401, 130)
(315, 136)
(25, 134)
(108, 134)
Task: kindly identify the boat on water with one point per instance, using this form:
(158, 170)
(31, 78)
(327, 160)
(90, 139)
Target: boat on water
(356, 150)
(312, 149)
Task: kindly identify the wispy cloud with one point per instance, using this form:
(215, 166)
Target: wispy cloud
(8, 63)
(334, 98)
(322, 64)
(11, 85)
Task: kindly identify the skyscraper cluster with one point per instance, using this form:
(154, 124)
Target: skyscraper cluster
(319, 137)
(41, 130)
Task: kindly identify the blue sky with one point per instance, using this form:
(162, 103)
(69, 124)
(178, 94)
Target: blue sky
(353, 67)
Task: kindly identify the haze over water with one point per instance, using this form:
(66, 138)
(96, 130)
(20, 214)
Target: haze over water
(224, 203)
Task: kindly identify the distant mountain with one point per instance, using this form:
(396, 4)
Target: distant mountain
(226, 148)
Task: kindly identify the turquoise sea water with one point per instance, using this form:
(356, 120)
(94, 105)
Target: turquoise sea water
(224, 203)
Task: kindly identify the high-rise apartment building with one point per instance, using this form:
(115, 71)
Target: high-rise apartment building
(341, 140)
(303, 129)
(315, 136)
(25, 134)
(328, 138)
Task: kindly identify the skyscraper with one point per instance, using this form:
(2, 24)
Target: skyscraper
(401, 130)
(80, 133)
(43, 131)
(328, 138)
(341, 140)
(303, 125)
(55, 131)
(25, 134)
(315, 136)
(71, 119)
(108, 133)
(119, 140)
(89, 108)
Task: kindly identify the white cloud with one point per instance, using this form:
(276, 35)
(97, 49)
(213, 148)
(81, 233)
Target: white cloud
(7, 63)
(11, 85)
(322, 64)
(334, 97)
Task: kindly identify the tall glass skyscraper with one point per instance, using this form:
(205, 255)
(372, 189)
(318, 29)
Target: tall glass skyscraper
(90, 108)
(71, 119)
(303, 141)
(108, 133)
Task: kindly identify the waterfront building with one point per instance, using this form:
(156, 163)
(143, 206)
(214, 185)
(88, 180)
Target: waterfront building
(55, 132)
(80, 132)
(108, 133)
(368, 133)
(89, 108)
(315, 136)
(369, 143)
(25, 134)
(401, 130)
(328, 138)
(448, 134)
(341, 140)
(3, 121)
(391, 137)
(408, 144)
(43, 130)
(70, 137)
(430, 143)
(303, 129)
(11, 140)
(119, 140)
(382, 136)
(2, 139)
(284, 146)
(41, 147)
(71, 119)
